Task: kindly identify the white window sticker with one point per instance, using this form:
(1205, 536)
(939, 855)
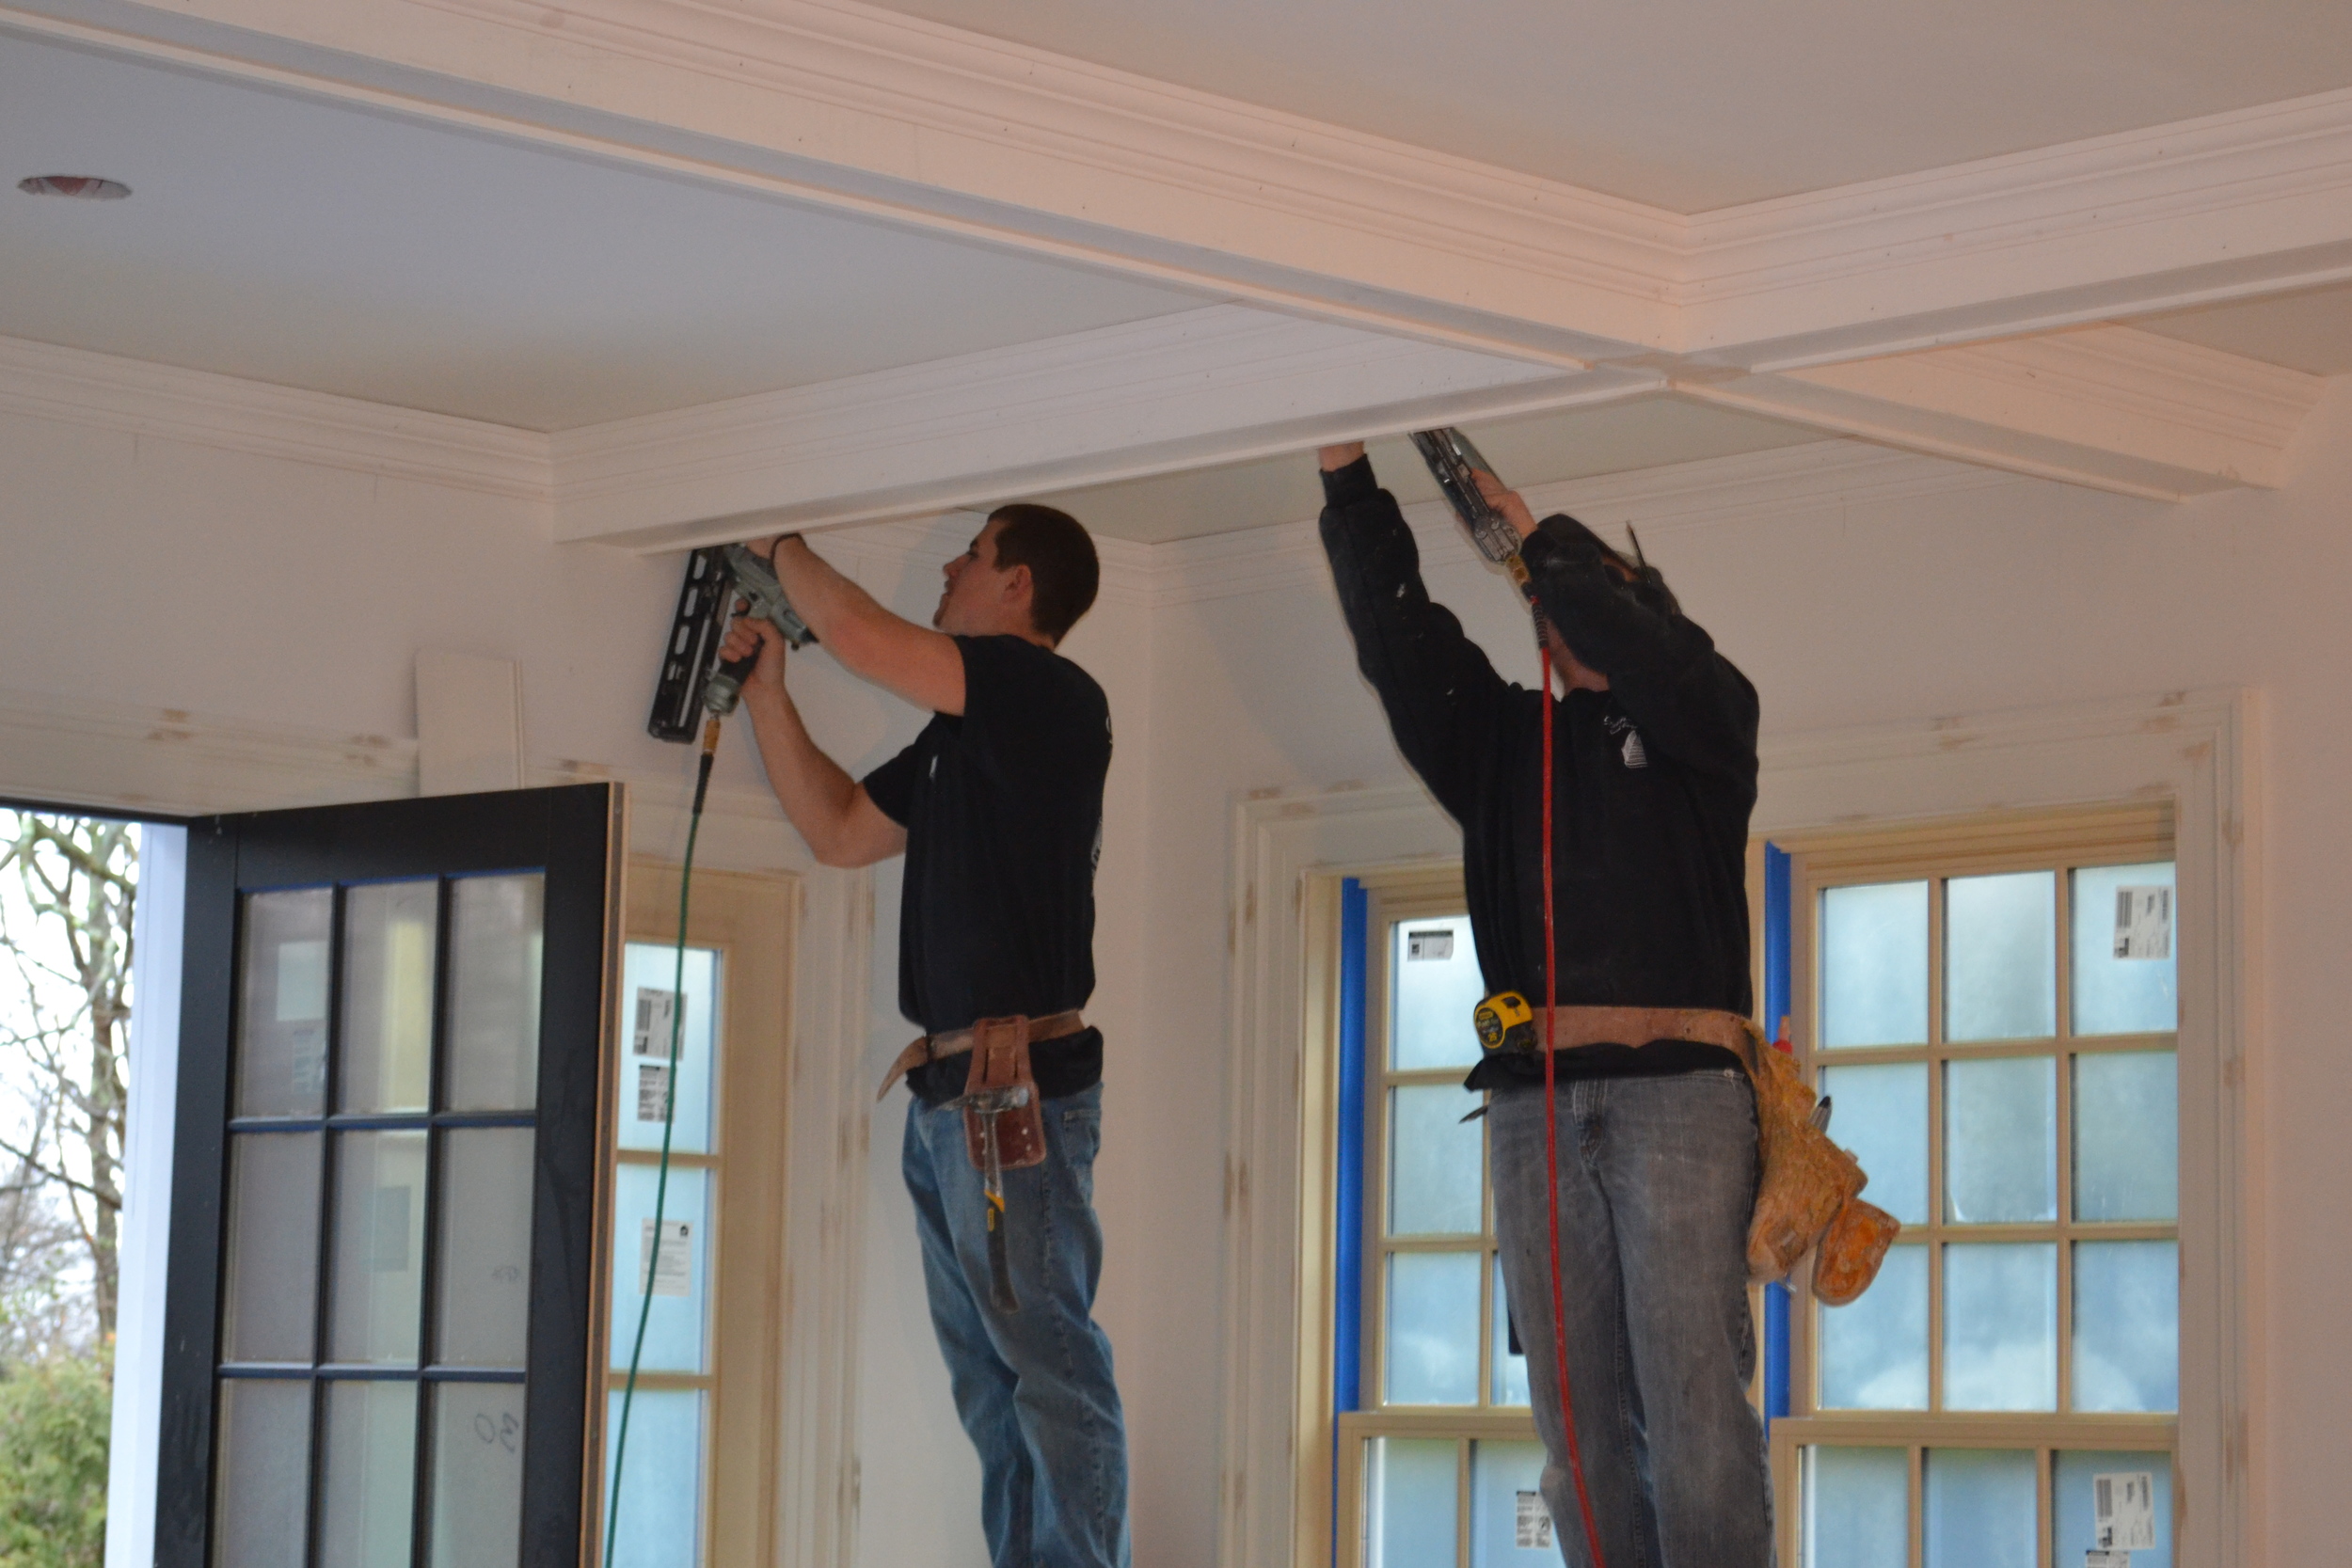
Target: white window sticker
(653, 1091)
(1534, 1523)
(1428, 944)
(2143, 922)
(2097, 1559)
(659, 1013)
(2126, 1510)
(673, 1271)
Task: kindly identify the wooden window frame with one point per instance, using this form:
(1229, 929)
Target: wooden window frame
(750, 919)
(1936, 852)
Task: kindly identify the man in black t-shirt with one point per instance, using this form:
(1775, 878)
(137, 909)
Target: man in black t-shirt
(1654, 774)
(997, 806)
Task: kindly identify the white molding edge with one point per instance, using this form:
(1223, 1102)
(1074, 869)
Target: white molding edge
(2110, 408)
(232, 414)
(1218, 384)
(2199, 750)
(2190, 212)
(1746, 488)
(863, 110)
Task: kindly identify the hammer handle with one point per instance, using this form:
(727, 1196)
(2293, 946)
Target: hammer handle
(999, 1271)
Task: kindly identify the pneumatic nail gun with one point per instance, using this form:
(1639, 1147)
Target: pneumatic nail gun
(694, 683)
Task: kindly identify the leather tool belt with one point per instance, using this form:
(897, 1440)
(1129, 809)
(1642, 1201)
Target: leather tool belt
(1808, 1189)
(926, 1049)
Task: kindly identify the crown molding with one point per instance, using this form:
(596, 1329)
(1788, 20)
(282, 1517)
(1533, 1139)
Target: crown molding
(227, 412)
(1219, 383)
(2192, 213)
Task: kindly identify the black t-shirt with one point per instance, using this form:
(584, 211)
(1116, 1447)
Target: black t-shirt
(1653, 782)
(1003, 808)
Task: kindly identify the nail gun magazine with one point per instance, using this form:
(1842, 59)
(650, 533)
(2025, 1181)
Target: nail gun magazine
(692, 682)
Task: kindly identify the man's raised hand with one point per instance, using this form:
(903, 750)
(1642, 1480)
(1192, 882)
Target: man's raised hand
(750, 635)
(1334, 458)
(1506, 501)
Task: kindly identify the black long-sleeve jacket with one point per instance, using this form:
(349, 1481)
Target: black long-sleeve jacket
(1654, 781)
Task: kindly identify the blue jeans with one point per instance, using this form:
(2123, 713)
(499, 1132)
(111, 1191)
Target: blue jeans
(1656, 1179)
(1033, 1387)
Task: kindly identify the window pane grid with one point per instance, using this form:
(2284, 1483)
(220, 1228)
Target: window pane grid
(2062, 1446)
(2061, 1048)
(390, 1238)
(1388, 1445)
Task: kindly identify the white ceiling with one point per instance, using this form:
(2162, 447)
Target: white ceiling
(1696, 105)
(2309, 331)
(318, 246)
(1541, 449)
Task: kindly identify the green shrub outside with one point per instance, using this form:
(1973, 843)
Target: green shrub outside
(54, 1420)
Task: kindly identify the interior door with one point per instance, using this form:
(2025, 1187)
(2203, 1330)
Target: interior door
(382, 1301)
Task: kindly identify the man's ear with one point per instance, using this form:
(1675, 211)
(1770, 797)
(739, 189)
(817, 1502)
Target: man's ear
(1020, 584)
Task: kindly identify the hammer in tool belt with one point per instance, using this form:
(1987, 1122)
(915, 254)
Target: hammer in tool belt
(985, 1106)
(1004, 1129)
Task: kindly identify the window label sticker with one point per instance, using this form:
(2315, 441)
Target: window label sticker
(2097, 1559)
(1535, 1521)
(2126, 1510)
(657, 1017)
(2143, 922)
(1420, 945)
(674, 1274)
(653, 1091)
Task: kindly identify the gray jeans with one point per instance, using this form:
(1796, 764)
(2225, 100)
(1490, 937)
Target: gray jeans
(1656, 1179)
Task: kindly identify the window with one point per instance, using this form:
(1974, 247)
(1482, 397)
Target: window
(698, 1482)
(1436, 1447)
(1991, 1011)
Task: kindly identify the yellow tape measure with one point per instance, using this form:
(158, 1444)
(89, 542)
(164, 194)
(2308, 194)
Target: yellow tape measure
(1505, 1022)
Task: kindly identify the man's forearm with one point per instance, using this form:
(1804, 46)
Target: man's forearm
(816, 792)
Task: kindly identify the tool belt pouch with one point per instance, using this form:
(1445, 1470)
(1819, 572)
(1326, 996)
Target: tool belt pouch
(1000, 1060)
(1808, 1195)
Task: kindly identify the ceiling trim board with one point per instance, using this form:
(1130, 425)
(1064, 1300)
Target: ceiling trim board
(1217, 384)
(232, 414)
(2109, 406)
(856, 109)
(1744, 488)
(2197, 211)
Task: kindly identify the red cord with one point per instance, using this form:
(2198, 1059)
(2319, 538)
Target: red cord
(1551, 1134)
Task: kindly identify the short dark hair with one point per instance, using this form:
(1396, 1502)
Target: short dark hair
(1064, 571)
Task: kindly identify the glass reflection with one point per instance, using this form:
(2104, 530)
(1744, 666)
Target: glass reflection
(1437, 1162)
(2000, 1326)
(1436, 985)
(1409, 1502)
(1874, 964)
(1433, 1327)
(281, 1003)
(2000, 948)
(2127, 1137)
(1981, 1509)
(2127, 1325)
(2114, 994)
(1874, 1353)
(1857, 1508)
(2001, 1120)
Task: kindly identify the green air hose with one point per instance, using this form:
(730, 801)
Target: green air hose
(669, 1116)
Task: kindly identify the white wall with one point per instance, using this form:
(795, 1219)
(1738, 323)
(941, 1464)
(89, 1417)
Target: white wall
(146, 572)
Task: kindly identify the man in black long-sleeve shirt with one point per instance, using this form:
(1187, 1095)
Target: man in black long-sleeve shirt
(1655, 778)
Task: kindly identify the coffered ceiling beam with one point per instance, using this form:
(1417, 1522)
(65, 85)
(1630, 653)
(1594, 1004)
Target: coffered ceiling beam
(2109, 408)
(1219, 384)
